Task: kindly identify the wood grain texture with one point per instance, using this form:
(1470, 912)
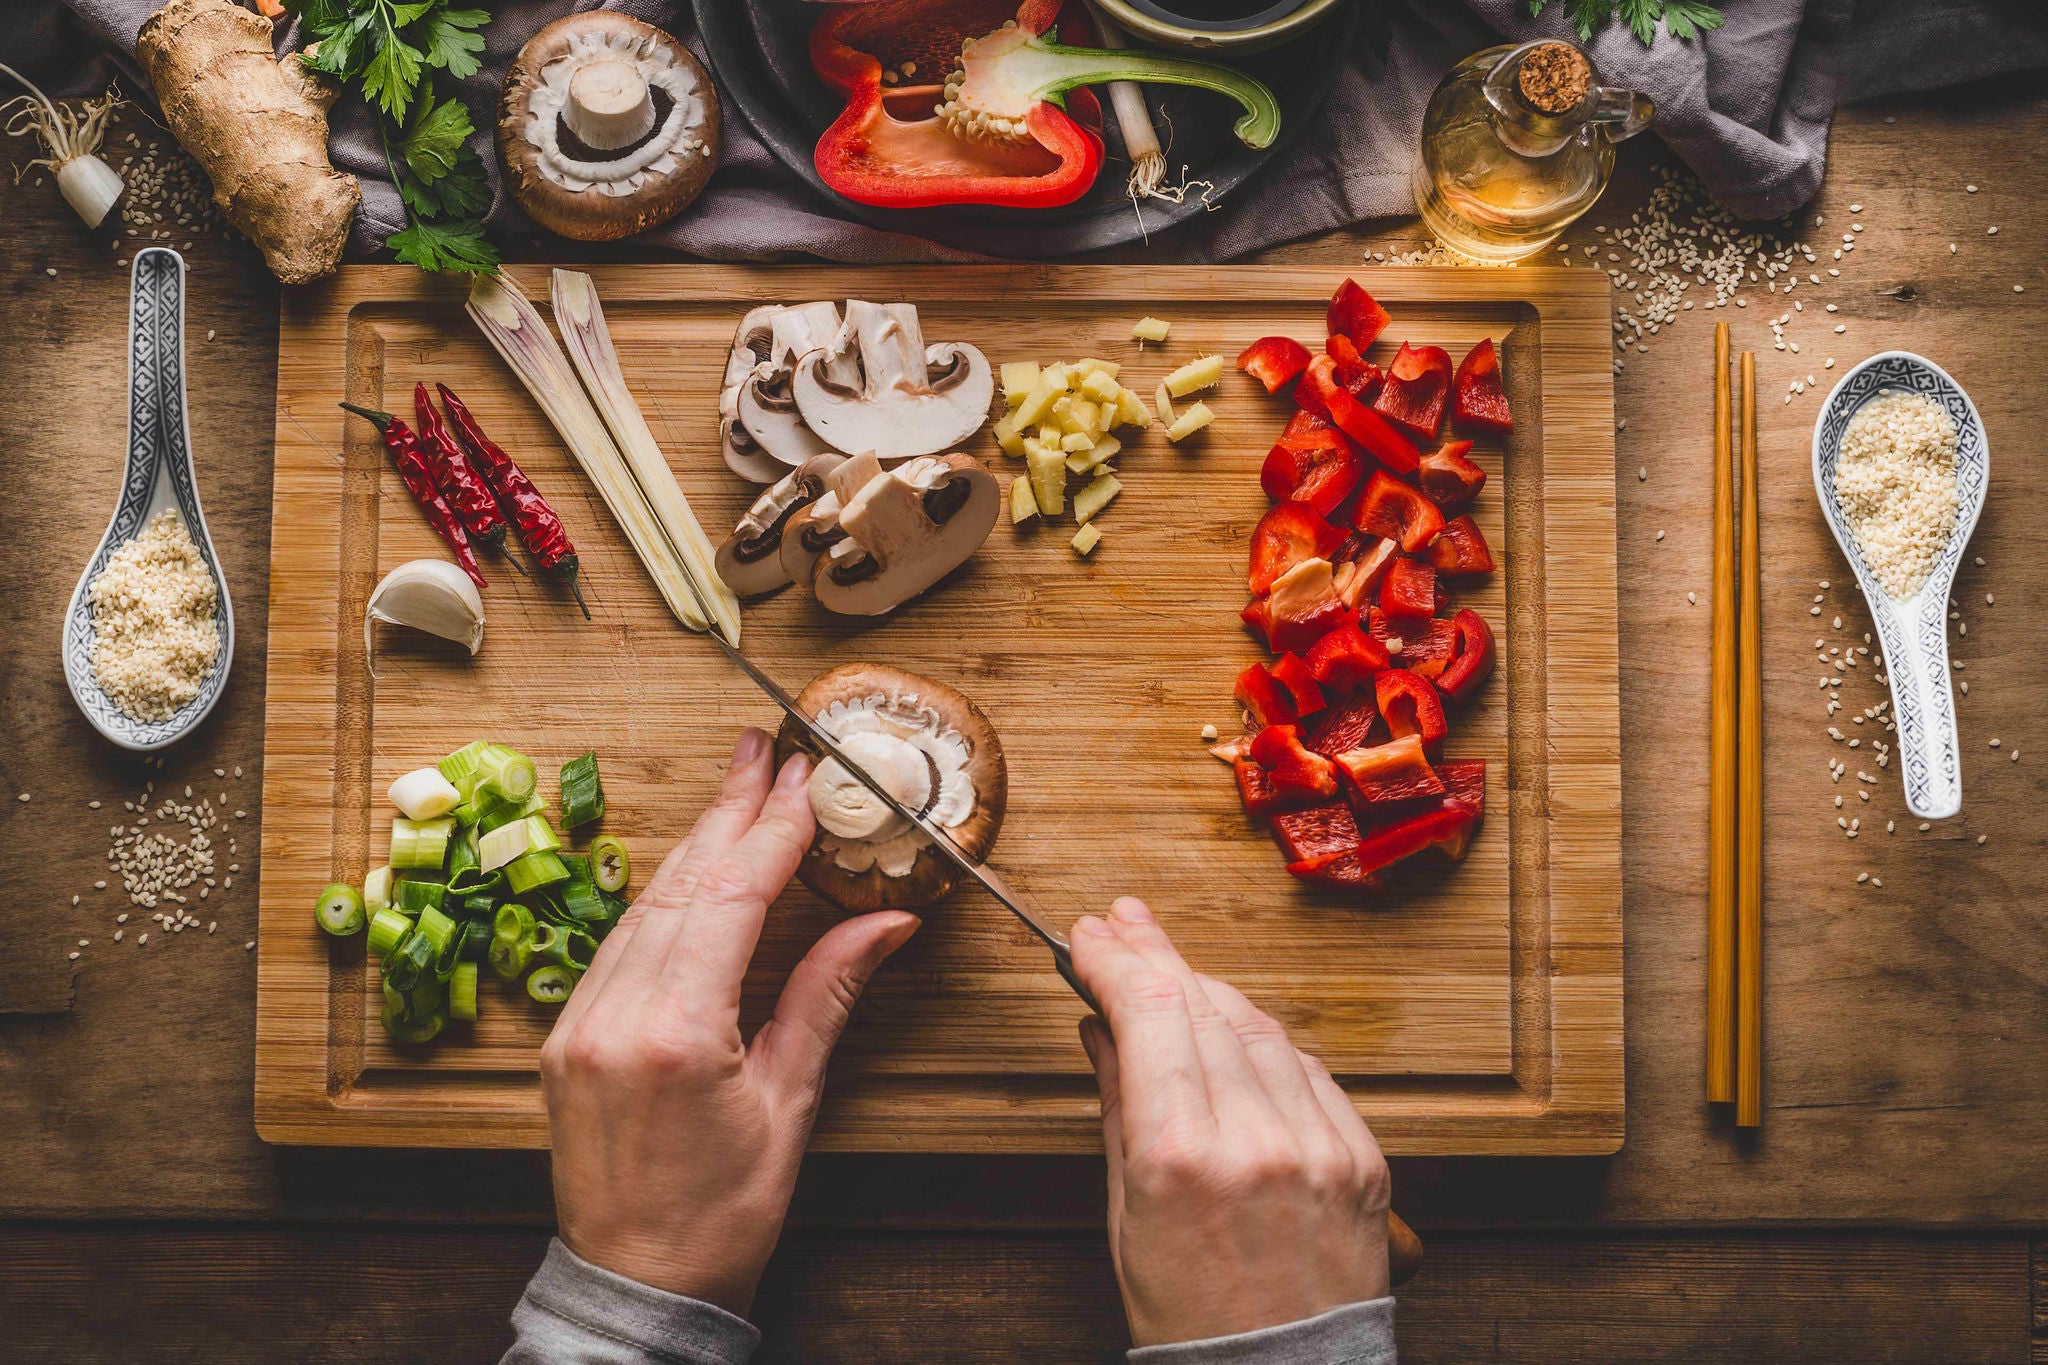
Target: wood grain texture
(1477, 1011)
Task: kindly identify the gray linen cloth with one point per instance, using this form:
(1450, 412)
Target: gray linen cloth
(573, 1313)
(1747, 107)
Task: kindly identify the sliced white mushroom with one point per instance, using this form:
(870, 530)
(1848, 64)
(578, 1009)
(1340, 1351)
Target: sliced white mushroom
(750, 561)
(750, 348)
(906, 399)
(904, 531)
(766, 406)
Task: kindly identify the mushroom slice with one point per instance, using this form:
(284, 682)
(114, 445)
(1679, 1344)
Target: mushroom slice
(933, 749)
(750, 561)
(750, 347)
(766, 407)
(910, 399)
(904, 531)
(606, 126)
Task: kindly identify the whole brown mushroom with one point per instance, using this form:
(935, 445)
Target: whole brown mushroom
(934, 750)
(606, 127)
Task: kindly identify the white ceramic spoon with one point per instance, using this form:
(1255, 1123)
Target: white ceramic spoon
(1912, 632)
(158, 475)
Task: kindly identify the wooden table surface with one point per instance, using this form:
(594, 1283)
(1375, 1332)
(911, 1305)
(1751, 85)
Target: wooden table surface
(1892, 1208)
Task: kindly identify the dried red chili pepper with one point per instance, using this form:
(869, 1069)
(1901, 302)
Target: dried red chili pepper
(538, 528)
(456, 477)
(419, 481)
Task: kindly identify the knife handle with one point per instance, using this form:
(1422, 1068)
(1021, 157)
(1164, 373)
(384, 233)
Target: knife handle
(1063, 958)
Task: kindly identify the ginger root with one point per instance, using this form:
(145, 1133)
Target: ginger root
(257, 126)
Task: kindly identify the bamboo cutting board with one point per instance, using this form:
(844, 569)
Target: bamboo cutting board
(1477, 1011)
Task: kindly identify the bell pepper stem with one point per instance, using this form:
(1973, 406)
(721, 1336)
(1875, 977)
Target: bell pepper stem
(1054, 69)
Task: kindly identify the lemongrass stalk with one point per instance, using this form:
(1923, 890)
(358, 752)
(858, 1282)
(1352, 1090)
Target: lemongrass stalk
(580, 318)
(515, 330)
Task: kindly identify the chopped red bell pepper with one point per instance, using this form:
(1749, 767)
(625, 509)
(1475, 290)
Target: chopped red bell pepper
(888, 148)
(1410, 705)
(1278, 749)
(1470, 666)
(1449, 477)
(1459, 549)
(1289, 533)
(1397, 510)
(1426, 646)
(1357, 315)
(1297, 631)
(1417, 386)
(1395, 771)
(1261, 798)
(1341, 873)
(1328, 397)
(1358, 375)
(1464, 783)
(1319, 477)
(1307, 430)
(1408, 592)
(1448, 829)
(1273, 361)
(1347, 658)
(1346, 725)
(1318, 834)
(1260, 693)
(1480, 399)
(1359, 566)
(1292, 673)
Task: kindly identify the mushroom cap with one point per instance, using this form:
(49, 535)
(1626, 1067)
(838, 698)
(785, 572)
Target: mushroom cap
(590, 215)
(933, 875)
(906, 398)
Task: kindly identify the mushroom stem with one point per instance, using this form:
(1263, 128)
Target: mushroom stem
(609, 105)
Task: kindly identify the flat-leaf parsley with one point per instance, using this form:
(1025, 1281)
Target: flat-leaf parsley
(1683, 18)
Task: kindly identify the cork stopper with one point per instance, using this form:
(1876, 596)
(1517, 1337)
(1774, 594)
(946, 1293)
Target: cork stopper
(1555, 77)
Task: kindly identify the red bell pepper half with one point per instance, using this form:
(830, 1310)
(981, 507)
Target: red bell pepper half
(1473, 662)
(1273, 361)
(1459, 549)
(1358, 375)
(1288, 534)
(1417, 386)
(1317, 835)
(1395, 771)
(1410, 706)
(1264, 696)
(1292, 673)
(1357, 315)
(1398, 511)
(1449, 477)
(1481, 401)
(1321, 392)
(1347, 658)
(1278, 749)
(1346, 725)
(1408, 592)
(1426, 646)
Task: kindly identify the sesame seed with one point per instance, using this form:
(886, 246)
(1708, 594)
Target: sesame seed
(1982, 838)
(1862, 877)
(1994, 744)
(1660, 535)
(1969, 189)
(1991, 232)
(249, 946)
(1924, 827)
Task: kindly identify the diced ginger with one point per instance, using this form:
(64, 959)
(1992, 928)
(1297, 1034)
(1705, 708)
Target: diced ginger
(1086, 539)
(1052, 382)
(1049, 433)
(1195, 376)
(1077, 441)
(1023, 506)
(1087, 416)
(1163, 401)
(1096, 496)
(1008, 437)
(1101, 387)
(1131, 409)
(1081, 369)
(1048, 479)
(1066, 413)
(1150, 329)
(1019, 378)
(1190, 422)
(1103, 450)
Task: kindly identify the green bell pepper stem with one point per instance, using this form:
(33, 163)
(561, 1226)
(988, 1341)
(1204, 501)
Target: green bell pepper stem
(1050, 70)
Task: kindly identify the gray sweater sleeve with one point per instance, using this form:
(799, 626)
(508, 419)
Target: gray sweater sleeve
(574, 1313)
(1356, 1334)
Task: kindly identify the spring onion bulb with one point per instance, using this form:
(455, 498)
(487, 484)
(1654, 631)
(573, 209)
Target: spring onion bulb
(421, 843)
(515, 330)
(582, 791)
(340, 910)
(87, 183)
(423, 794)
(551, 985)
(377, 889)
(610, 868)
(388, 929)
(1133, 119)
(580, 319)
(462, 993)
(428, 595)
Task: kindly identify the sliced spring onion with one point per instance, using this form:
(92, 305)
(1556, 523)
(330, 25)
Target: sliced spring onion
(340, 910)
(583, 902)
(462, 993)
(551, 985)
(475, 940)
(410, 962)
(473, 881)
(460, 767)
(377, 889)
(534, 871)
(423, 794)
(403, 1026)
(507, 772)
(494, 814)
(387, 929)
(582, 792)
(436, 928)
(580, 319)
(507, 842)
(515, 330)
(411, 897)
(578, 865)
(461, 853)
(450, 955)
(610, 868)
(481, 905)
(512, 934)
(571, 946)
(421, 843)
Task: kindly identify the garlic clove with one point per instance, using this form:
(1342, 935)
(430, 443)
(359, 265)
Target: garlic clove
(430, 595)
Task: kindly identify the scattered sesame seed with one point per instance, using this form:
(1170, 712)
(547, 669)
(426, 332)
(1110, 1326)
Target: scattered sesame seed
(1660, 535)
(1862, 877)
(1994, 744)
(249, 946)
(1991, 231)
(1969, 189)
(1982, 838)
(1692, 599)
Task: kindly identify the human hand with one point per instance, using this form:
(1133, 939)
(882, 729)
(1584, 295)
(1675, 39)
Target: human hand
(676, 1144)
(1244, 1190)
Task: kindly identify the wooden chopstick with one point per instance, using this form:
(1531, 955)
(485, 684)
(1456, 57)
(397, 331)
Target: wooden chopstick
(1721, 755)
(1749, 862)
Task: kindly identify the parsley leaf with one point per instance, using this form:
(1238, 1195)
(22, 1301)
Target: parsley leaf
(389, 78)
(1687, 17)
(450, 40)
(453, 246)
(1684, 19)
(434, 139)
